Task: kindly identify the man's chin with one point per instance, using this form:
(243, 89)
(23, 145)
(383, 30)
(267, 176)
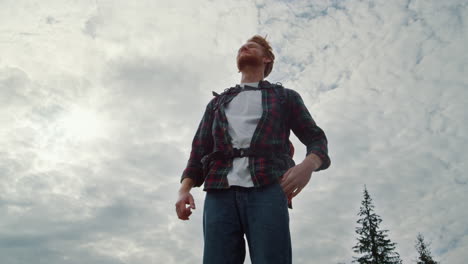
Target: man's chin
(248, 61)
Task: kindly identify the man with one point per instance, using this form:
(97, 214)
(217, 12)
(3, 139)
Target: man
(242, 153)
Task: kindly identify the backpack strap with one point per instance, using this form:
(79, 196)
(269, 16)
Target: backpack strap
(280, 92)
(277, 87)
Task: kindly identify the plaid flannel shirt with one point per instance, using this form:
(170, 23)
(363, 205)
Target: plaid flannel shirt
(283, 111)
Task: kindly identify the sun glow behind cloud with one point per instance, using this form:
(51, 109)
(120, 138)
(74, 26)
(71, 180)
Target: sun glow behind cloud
(67, 137)
(81, 125)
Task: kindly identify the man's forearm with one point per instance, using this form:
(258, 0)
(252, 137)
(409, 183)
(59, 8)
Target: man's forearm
(186, 185)
(312, 161)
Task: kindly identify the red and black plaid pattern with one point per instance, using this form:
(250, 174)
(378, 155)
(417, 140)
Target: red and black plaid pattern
(283, 111)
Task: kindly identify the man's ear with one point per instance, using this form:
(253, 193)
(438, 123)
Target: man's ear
(266, 60)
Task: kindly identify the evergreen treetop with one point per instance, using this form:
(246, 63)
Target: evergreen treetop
(373, 246)
(424, 251)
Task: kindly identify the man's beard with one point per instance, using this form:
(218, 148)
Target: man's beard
(249, 61)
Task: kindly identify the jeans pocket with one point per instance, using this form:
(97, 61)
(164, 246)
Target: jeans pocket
(281, 193)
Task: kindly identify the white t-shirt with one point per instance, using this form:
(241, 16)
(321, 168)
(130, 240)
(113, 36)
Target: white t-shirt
(243, 113)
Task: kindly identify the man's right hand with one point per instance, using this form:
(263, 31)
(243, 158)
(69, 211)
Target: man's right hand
(184, 211)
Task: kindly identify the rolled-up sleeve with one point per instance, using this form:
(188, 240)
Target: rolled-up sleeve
(202, 145)
(306, 130)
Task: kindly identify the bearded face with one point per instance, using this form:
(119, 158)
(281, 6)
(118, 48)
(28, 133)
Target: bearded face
(250, 55)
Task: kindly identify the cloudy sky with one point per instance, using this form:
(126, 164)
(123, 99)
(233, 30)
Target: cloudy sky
(99, 101)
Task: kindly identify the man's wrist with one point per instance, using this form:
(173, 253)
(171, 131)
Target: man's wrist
(186, 185)
(312, 162)
(183, 190)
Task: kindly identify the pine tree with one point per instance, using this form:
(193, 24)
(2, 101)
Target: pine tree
(424, 251)
(373, 244)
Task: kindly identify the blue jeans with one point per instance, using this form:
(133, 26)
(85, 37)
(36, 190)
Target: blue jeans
(259, 213)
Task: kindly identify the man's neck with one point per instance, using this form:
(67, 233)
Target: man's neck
(252, 75)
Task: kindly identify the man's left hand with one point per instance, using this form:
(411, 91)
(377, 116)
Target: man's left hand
(297, 177)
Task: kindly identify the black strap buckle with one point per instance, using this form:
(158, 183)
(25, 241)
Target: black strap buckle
(240, 153)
